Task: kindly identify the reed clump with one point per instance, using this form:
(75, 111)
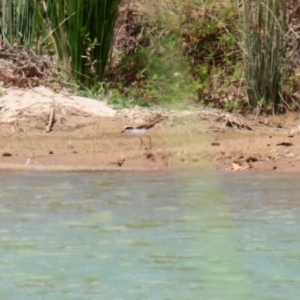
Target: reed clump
(80, 32)
(265, 52)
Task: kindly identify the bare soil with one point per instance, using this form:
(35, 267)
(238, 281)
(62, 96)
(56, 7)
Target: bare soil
(184, 144)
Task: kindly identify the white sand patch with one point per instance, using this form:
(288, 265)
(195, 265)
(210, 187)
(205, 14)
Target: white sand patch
(23, 103)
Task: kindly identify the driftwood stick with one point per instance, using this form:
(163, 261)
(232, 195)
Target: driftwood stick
(51, 120)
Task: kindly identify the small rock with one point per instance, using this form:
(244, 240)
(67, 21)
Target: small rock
(285, 144)
(6, 154)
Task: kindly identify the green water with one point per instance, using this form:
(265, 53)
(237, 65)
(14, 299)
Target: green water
(149, 236)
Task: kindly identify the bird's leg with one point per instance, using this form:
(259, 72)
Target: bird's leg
(150, 141)
(142, 142)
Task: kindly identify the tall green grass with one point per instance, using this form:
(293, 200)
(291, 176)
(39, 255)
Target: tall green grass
(17, 21)
(264, 34)
(83, 32)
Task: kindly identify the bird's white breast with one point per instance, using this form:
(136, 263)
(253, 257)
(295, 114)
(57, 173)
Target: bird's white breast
(139, 131)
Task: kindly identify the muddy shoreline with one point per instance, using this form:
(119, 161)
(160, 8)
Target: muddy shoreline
(180, 147)
(47, 131)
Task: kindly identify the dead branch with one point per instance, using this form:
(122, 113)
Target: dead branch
(51, 120)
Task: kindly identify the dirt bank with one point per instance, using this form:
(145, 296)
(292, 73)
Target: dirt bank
(85, 136)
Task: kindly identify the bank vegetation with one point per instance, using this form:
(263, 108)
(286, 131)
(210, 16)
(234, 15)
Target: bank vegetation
(237, 55)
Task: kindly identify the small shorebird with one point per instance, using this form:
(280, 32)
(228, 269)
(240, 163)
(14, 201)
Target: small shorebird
(141, 130)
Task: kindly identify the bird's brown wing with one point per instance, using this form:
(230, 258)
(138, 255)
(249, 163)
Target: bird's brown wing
(148, 126)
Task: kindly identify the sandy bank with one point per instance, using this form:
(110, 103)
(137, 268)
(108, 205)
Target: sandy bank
(85, 136)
